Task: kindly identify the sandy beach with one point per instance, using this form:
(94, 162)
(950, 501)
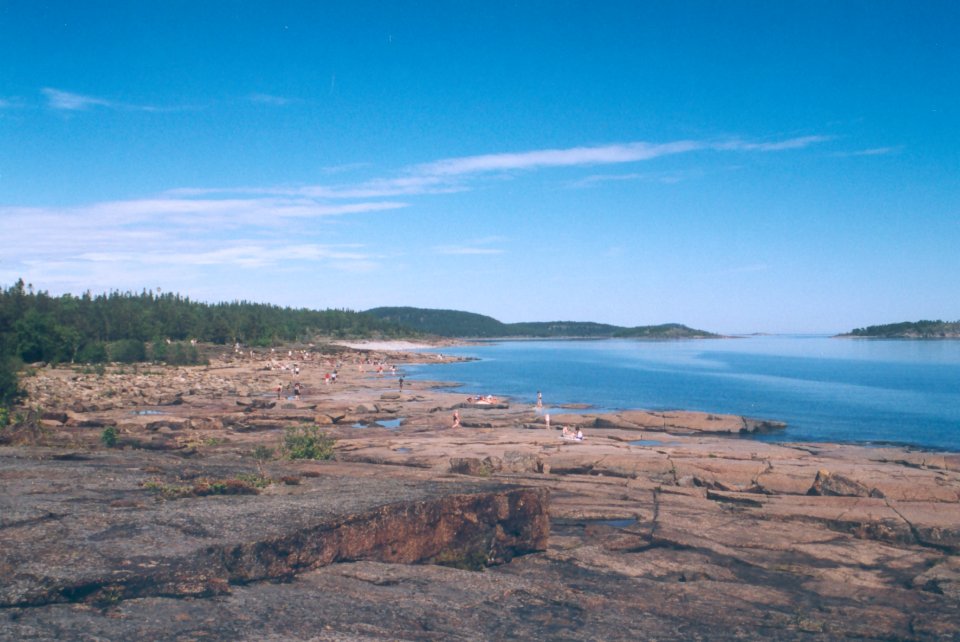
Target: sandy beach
(386, 346)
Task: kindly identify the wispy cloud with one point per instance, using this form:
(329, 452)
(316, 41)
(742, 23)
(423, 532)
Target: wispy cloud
(874, 151)
(250, 227)
(240, 255)
(371, 189)
(668, 178)
(68, 101)
(177, 261)
(179, 231)
(475, 247)
(254, 211)
(269, 99)
(453, 175)
(769, 146)
(381, 188)
(65, 100)
(11, 103)
(606, 154)
(600, 155)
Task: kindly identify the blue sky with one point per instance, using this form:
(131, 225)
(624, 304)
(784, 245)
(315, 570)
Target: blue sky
(735, 166)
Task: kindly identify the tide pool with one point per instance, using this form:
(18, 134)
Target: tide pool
(826, 389)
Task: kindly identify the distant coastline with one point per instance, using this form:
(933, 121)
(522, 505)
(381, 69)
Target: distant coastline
(469, 325)
(907, 330)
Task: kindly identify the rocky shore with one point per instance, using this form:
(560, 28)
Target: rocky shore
(662, 526)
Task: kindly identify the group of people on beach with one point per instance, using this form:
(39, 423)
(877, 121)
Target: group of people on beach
(570, 435)
(482, 399)
(297, 391)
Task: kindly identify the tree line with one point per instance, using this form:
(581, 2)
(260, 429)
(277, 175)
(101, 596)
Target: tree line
(924, 329)
(161, 326)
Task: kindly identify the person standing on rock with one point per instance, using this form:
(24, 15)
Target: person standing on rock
(401, 383)
(279, 389)
(539, 400)
(456, 418)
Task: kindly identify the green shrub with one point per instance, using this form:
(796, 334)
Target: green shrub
(229, 486)
(93, 352)
(128, 351)
(167, 491)
(109, 436)
(257, 481)
(262, 453)
(10, 391)
(307, 442)
(159, 351)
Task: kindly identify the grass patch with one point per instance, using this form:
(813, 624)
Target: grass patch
(205, 487)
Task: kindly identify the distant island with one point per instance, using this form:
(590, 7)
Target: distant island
(457, 324)
(909, 330)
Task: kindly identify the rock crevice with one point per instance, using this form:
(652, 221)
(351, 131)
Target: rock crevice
(107, 550)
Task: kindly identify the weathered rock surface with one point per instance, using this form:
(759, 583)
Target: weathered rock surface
(92, 528)
(661, 526)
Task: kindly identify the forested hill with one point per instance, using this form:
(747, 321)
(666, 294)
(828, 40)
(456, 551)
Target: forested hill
(665, 331)
(442, 323)
(910, 330)
(125, 326)
(452, 323)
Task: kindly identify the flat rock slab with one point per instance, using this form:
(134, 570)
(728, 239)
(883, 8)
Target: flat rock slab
(662, 526)
(95, 527)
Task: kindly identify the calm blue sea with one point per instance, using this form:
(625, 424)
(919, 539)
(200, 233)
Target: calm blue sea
(826, 389)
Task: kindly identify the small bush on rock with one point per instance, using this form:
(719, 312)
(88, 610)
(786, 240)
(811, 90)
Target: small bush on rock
(109, 436)
(307, 442)
(205, 487)
(261, 454)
